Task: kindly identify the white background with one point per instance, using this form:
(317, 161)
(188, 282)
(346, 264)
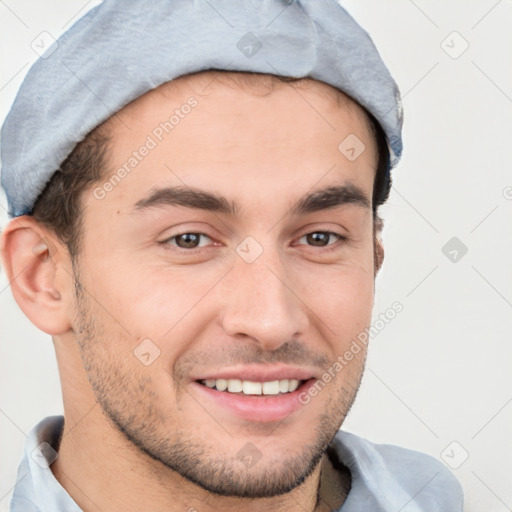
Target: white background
(441, 370)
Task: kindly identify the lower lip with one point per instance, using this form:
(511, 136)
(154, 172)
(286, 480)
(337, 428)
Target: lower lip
(257, 408)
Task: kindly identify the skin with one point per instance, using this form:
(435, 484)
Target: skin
(136, 435)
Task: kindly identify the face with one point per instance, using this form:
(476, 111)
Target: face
(235, 250)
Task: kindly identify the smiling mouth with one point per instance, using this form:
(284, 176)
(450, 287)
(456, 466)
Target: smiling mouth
(247, 387)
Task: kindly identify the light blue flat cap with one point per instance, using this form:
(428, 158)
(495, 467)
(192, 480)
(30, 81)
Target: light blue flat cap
(121, 49)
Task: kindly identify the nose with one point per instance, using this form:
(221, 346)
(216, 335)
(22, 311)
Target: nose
(261, 304)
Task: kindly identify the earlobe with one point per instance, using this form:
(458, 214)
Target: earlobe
(30, 256)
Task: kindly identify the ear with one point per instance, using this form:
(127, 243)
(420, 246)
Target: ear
(378, 247)
(378, 253)
(31, 257)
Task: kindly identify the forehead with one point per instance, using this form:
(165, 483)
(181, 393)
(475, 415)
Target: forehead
(216, 129)
(234, 94)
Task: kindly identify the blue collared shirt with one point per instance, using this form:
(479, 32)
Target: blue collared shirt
(385, 478)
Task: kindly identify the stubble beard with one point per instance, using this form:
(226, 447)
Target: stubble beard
(130, 407)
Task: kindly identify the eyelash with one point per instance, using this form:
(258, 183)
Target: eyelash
(167, 241)
(328, 247)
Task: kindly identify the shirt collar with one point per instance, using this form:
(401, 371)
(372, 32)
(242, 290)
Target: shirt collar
(36, 485)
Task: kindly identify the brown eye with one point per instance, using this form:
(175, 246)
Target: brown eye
(320, 238)
(187, 240)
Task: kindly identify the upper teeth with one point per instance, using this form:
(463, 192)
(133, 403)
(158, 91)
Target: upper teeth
(248, 387)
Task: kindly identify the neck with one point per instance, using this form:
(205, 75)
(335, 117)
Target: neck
(106, 472)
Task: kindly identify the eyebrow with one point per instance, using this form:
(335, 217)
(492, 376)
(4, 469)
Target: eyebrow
(330, 198)
(189, 197)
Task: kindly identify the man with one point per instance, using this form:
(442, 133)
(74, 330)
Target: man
(195, 190)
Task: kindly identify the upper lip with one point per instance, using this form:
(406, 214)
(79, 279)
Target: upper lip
(259, 373)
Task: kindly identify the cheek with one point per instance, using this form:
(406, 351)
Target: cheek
(340, 297)
(344, 310)
(149, 301)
